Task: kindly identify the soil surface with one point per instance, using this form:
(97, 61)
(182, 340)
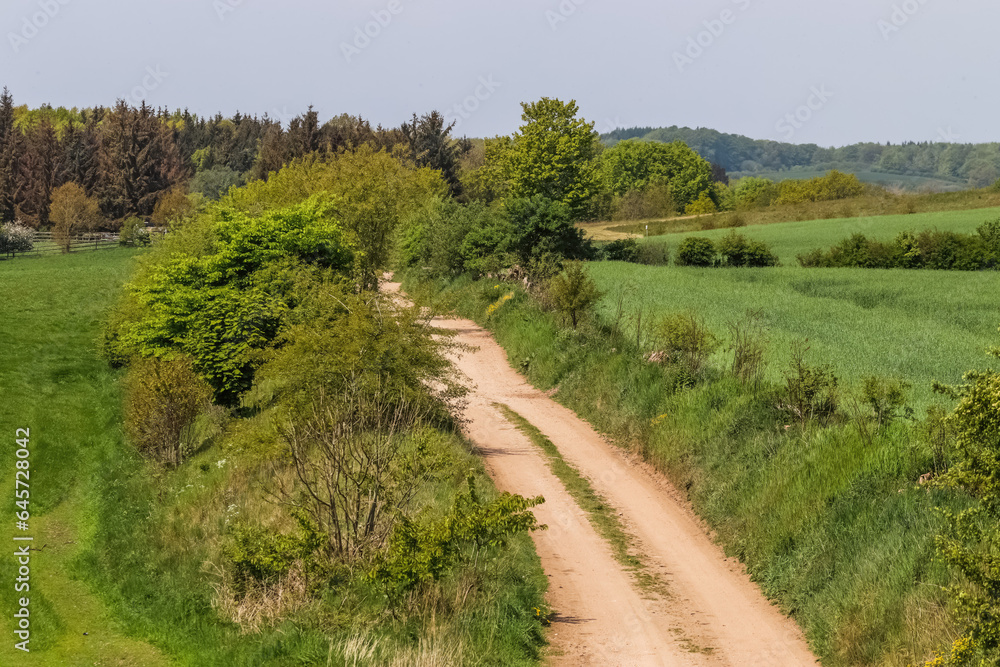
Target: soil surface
(712, 613)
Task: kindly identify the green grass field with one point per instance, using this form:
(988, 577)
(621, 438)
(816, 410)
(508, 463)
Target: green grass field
(789, 239)
(52, 382)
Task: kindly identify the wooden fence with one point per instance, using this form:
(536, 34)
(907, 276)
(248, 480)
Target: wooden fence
(46, 244)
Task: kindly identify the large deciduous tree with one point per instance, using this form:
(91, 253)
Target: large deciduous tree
(552, 155)
(636, 165)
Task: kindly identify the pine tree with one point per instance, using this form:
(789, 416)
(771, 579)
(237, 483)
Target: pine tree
(9, 145)
(431, 146)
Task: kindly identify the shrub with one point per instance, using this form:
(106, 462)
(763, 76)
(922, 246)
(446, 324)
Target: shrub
(574, 292)
(162, 399)
(810, 392)
(686, 340)
(738, 251)
(702, 206)
(654, 253)
(134, 233)
(16, 237)
(887, 399)
(260, 557)
(622, 250)
(696, 251)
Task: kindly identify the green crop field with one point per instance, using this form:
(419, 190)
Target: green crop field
(922, 326)
(789, 239)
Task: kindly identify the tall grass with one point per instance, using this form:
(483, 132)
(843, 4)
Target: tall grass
(830, 523)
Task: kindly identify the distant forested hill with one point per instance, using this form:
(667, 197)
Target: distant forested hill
(973, 165)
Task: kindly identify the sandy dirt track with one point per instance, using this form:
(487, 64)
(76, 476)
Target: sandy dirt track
(713, 615)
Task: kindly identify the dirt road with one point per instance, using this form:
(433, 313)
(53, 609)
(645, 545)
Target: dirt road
(713, 615)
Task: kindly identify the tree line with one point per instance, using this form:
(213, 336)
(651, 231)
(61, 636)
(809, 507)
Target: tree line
(977, 165)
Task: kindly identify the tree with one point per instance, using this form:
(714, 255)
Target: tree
(72, 211)
(40, 170)
(9, 141)
(574, 292)
(174, 205)
(139, 161)
(432, 146)
(552, 155)
(638, 165)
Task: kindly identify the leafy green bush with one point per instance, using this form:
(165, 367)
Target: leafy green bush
(622, 250)
(257, 556)
(929, 249)
(654, 253)
(738, 251)
(420, 553)
(162, 399)
(887, 398)
(573, 292)
(696, 251)
(134, 233)
(686, 340)
(223, 299)
(810, 392)
(971, 543)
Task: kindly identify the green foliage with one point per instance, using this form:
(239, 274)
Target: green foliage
(622, 250)
(573, 292)
(686, 340)
(834, 185)
(736, 250)
(753, 192)
(434, 237)
(701, 206)
(134, 233)
(552, 156)
(533, 232)
(257, 556)
(225, 307)
(971, 544)
(637, 166)
(162, 399)
(810, 391)
(421, 552)
(696, 251)
(214, 183)
(887, 399)
(929, 249)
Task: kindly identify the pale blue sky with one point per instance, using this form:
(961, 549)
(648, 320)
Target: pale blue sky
(872, 70)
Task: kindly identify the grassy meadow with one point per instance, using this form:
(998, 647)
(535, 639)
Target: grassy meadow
(789, 239)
